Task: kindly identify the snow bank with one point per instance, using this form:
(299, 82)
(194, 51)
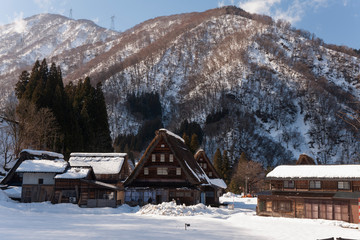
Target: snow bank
(172, 209)
(13, 192)
(4, 197)
(239, 201)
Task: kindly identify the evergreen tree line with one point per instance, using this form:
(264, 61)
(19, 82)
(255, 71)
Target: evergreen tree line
(192, 134)
(70, 119)
(244, 176)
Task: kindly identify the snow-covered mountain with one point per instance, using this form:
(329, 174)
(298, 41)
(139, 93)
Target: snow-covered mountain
(45, 36)
(276, 90)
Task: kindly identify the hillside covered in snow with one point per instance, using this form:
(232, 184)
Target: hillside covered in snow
(253, 85)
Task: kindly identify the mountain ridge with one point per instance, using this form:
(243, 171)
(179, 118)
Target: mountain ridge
(282, 87)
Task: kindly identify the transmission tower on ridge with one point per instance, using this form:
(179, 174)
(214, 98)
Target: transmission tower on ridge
(70, 15)
(112, 27)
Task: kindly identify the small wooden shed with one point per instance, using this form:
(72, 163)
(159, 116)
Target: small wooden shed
(79, 186)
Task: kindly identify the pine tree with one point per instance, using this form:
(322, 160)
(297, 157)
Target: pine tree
(102, 132)
(243, 158)
(225, 167)
(20, 86)
(186, 140)
(194, 144)
(217, 161)
(33, 81)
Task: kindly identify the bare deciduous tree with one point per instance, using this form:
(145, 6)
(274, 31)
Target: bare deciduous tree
(38, 128)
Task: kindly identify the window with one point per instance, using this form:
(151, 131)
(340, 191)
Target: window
(162, 145)
(178, 171)
(146, 171)
(153, 157)
(204, 166)
(41, 181)
(171, 158)
(289, 184)
(315, 184)
(209, 194)
(162, 158)
(162, 171)
(344, 185)
(210, 174)
(282, 206)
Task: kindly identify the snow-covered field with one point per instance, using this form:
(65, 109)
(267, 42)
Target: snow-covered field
(165, 221)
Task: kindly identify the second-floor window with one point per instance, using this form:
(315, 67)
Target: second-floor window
(178, 171)
(171, 158)
(153, 157)
(146, 171)
(162, 171)
(344, 185)
(315, 184)
(289, 184)
(162, 158)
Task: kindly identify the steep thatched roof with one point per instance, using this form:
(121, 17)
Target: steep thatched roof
(201, 154)
(305, 160)
(194, 173)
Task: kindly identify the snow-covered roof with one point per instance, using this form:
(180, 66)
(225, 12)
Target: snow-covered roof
(74, 173)
(172, 134)
(102, 163)
(218, 182)
(41, 153)
(52, 166)
(315, 172)
(98, 154)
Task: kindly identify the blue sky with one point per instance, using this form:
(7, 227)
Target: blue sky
(335, 21)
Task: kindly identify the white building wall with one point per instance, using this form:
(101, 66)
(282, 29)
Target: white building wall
(33, 178)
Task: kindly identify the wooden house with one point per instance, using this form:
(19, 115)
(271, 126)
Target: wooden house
(38, 178)
(312, 191)
(217, 186)
(14, 178)
(166, 171)
(109, 168)
(78, 185)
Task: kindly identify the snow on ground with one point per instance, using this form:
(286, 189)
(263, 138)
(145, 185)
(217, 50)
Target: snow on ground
(63, 221)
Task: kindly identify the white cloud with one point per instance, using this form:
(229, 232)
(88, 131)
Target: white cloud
(294, 12)
(258, 6)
